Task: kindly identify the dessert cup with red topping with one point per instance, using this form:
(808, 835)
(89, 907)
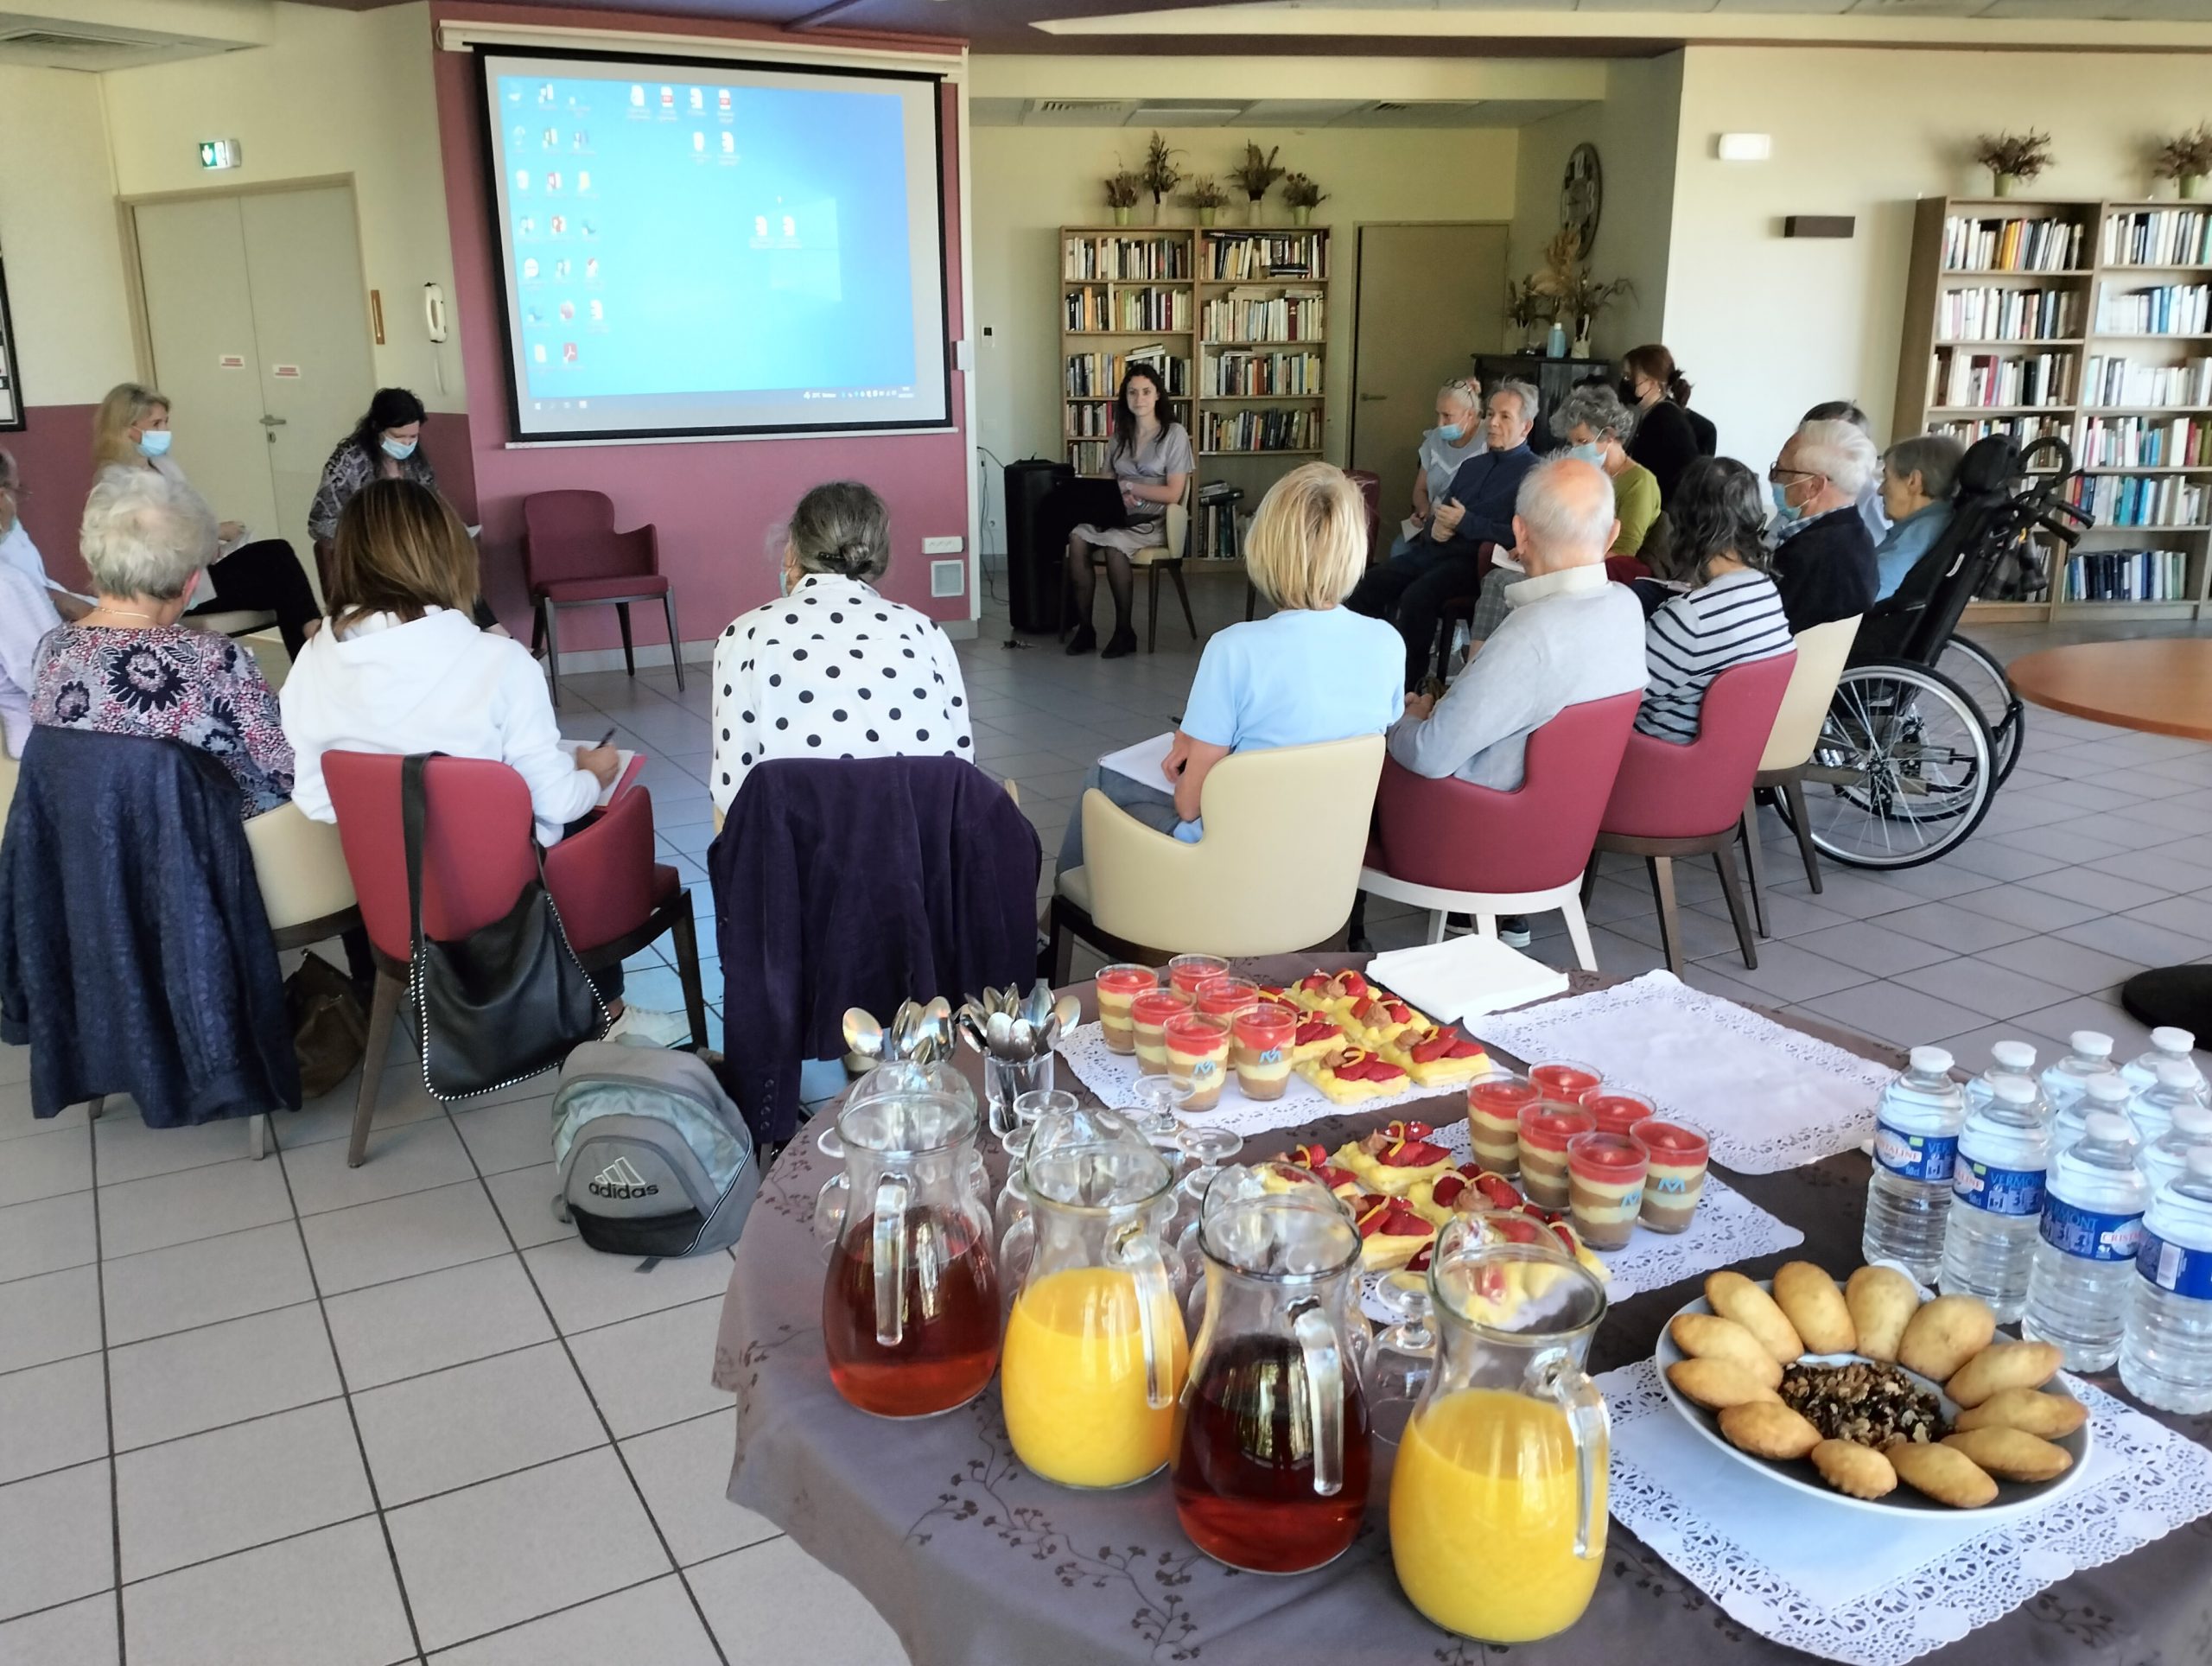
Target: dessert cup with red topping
(1561, 1081)
(1148, 1014)
(1605, 1173)
(1187, 972)
(1494, 1102)
(1261, 1040)
(1618, 1110)
(1117, 987)
(1225, 997)
(1545, 1130)
(1676, 1179)
(1197, 1059)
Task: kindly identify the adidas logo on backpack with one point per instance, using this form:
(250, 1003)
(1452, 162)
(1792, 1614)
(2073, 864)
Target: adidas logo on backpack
(621, 1179)
(654, 1158)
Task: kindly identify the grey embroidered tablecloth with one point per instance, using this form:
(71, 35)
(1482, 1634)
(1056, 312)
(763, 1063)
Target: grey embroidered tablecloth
(973, 1562)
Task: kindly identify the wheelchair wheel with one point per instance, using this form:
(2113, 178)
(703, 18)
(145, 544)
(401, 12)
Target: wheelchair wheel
(1903, 770)
(1975, 670)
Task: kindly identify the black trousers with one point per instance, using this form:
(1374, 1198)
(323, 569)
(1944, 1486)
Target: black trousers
(1410, 591)
(265, 577)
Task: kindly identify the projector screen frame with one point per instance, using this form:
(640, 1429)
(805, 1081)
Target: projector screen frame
(488, 134)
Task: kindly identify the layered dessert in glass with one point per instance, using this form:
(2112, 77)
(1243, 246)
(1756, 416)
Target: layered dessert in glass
(1494, 1101)
(1117, 986)
(1545, 1130)
(1261, 1043)
(1197, 1059)
(1148, 1014)
(1605, 1173)
(1676, 1179)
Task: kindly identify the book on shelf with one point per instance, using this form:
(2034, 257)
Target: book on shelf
(2015, 243)
(1256, 257)
(1091, 420)
(1117, 257)
(2121, 381)
(2022, 431)
(1218, 524)
(1993, 315)
(2164, 309)
(1098, 375)
(2141, 500)
(1294, 429)
(1965, 380)
(2126, 575)
(1262, 374)
(2145, 443)
(2158, 236)
(1090, 457)
(1248, 315)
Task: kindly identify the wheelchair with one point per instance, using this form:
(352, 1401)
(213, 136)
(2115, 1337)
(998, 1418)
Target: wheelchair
(1925, 725)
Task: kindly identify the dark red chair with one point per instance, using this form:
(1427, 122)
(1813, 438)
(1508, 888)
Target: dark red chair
(1670, 801)
(1450, 846)
(572, 557)
(478, 853)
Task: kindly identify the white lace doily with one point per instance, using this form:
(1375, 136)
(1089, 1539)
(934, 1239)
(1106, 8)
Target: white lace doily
(1728, 1228)
(2148, 1482)
(1768, 1097)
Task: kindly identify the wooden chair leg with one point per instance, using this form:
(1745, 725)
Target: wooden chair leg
(1747, 828)
(1670, 920)
(553, 651)
(675, 637)
(1183, 592)
(1794, 791)
(1578, 933)
(1724, 859)
(686, 933)
(1152, 607)
(384, 1009)
(629, 650)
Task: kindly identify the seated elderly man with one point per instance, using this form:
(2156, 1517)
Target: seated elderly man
(1825, 568)
(1919, 477)
(1411, 589)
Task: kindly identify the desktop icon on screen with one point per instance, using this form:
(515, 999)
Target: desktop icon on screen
(698, 98)
(699, 142)
(729, 143)
(561, 270)
(545, 93)
(583, 179)
(553, 182)
(526, 226)
(638, 98)
(591, 269)
(597, 311)
(722, 98)
(537, 353)
(568, 311)
(668, 97)
(560, 225)
(530, 269)
(522, 179)
(552, 139)
(582, 140)
(567, 353)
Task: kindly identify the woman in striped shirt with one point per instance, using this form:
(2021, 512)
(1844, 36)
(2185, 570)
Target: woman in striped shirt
(1730, 612)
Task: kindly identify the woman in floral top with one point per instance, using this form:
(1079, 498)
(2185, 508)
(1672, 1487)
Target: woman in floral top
(128, 668)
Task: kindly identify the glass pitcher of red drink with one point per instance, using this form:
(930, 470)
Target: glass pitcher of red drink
(1271, 1465)
(910, 1310)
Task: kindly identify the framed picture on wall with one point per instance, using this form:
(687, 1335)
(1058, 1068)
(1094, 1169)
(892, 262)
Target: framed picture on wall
(11, 389)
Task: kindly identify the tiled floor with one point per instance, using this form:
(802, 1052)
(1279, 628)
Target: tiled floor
(291, 1414)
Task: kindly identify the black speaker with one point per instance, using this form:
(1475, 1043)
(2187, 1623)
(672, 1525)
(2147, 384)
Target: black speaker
(1034, 550)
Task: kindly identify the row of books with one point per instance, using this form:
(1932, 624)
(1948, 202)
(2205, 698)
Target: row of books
(1964, 380)
(2022, 431)
(2168, 310)
(2141, 500)
(2109, 381)
(1116, 257)
(1292, 429)
(1295, 316)
(1219, 528)
(1232, 258)
(2145, 443)
(1993, 315)
(1132, 309)
(2039, 245)
(1095, 375)
(1261, 373)
(1089, 457)
(1094, 419)
(2127, 575)
(2158, 236)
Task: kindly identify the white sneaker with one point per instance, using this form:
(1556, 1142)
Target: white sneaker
(1513, 930)
(641, 1026)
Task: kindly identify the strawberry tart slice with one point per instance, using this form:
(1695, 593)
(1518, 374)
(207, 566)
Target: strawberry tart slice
(1397, 1158)
(1380, 1020)
(1318, 1035)
(1391, 1232)
(1436, 1057)
(1353, 1074)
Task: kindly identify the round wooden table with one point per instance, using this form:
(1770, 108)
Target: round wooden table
(2163, 687)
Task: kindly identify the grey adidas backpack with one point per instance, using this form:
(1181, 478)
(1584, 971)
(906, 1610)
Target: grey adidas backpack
(655, 1159)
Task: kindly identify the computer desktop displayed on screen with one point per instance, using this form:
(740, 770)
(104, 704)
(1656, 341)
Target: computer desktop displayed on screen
(696, 247)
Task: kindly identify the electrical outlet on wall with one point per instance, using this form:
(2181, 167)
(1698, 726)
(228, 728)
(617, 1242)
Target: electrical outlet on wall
(948, 578)
(941, 546)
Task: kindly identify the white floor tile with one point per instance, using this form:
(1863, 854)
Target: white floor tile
(774, 1602)
(375, 1242)
(454, 1427)
(205, 1281)
(654, 1622)
(514, 1135)
(683, 1470)
(329, 1597)
(413, 1158)
(48, 1165)
(47, 1235)
(57, 1540)
(49, 1317)
(425, 1323)
(193, 1380)
(128, 1150)
(52, 1417)
(586, 1289)
(80, 1633)
(199, 1203)
(525, 1200)
(654, 1370)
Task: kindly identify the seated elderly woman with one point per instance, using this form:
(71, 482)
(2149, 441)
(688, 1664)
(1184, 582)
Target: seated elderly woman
(1919, 477)
(1458, 434)
(1730, 612)
(1312, 671)
(127, 667)
(832, 670)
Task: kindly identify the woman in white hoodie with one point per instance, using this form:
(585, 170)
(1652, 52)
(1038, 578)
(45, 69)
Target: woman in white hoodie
(404, 668)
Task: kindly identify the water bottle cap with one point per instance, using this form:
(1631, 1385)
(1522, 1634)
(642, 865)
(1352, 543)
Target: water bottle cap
(2014, 1055)
(2172, 1038)
(2108, 1086)
(2175, 1072)
(2200, 1163)
(2193, 1118)
(2109, 1126)
(2015, 1090)
(2088, 1044)
(1931, 1061)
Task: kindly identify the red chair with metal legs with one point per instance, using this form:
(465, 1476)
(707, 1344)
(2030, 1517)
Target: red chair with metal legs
(1450, 846)
(477, 854)
(572, 557)
(1670, 801)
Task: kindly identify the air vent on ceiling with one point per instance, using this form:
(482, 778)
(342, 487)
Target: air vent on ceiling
(66, 43)
(1071, 106)
(56, 43)
(1387, 104)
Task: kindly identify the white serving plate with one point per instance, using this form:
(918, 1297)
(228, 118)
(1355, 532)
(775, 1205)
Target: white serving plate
(2013, 1497)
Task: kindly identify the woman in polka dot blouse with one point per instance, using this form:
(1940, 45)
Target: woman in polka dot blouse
(831, 669)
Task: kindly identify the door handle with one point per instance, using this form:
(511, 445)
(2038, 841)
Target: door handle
(1370, 398)
(272, 422)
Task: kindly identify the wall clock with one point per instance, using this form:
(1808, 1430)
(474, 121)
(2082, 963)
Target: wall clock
(1582, 195)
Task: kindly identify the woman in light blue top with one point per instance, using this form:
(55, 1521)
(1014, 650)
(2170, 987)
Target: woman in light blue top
(1457, 435)
(1919, 477)
(1312, 671)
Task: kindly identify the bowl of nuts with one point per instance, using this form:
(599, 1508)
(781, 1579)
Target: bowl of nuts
(1868, 1395)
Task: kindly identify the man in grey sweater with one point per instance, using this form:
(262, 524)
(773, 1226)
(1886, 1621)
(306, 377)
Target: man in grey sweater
(1571, 635)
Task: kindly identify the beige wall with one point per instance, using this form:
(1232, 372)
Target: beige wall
(335, 93)
(1766, 326)
(1029, 181)
(58, 234)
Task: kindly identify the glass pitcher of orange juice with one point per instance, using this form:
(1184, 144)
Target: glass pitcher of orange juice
(1095, 1352)
(1497, 1506)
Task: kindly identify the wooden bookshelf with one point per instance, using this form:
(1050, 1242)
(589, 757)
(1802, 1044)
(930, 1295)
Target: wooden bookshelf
(2028, 316)
(1246, 345)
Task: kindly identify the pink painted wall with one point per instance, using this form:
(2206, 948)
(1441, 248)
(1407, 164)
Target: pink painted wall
(53, 454)
(713, 501)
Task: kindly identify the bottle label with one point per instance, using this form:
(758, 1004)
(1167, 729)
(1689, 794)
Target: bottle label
(1998, 1191)
(2087, 1235)
(1916, 1156)
(2173, 1266)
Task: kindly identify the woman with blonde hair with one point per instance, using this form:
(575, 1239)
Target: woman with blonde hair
(131, 433)
(1312, 670)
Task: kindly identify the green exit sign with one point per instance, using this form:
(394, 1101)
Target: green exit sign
(220, 153)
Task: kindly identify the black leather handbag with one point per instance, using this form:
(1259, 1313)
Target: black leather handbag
(503, 1004)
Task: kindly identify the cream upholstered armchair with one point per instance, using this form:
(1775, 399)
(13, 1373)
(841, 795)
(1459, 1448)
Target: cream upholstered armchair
(1285, 832)
(1168, 558)
(1822, 653)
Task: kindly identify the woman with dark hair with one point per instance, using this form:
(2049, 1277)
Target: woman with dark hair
(1667, 439)
(385, 445)
(1151, 459)
(1729, 613)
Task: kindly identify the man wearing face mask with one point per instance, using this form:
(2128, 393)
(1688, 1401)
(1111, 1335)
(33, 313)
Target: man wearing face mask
(1826, 568)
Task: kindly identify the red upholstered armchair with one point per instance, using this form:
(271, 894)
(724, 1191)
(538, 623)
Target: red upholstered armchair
(572, 557)
(477, 854)
(1450, 846)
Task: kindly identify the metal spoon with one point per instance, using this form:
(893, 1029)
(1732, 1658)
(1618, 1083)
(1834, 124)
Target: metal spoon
(969, 1028)
(863, 1035)
(999, 1034)
(1065, 1011)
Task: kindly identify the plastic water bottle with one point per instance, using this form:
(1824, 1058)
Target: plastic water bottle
(2166, 1360)
(2167, 1041)
(2106, 1093)
(2068, 1079)
(1916, 1148)
(2007, 1059)
(1997, 1198)
(2165, 1158)
(2153, 1107)
(2092, 1229)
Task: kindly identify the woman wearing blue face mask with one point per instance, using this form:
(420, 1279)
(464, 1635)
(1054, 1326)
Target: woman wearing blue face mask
(1457, 435)
(131, 430)
(386, 444)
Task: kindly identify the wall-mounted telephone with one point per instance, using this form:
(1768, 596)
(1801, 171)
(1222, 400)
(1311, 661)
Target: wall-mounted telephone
(433, 311)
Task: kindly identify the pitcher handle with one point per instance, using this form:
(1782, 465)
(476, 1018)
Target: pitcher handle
(829, 1206)
(1324, 1397)
(891, 1195)
(1557, 1379)
(1156, 1297)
